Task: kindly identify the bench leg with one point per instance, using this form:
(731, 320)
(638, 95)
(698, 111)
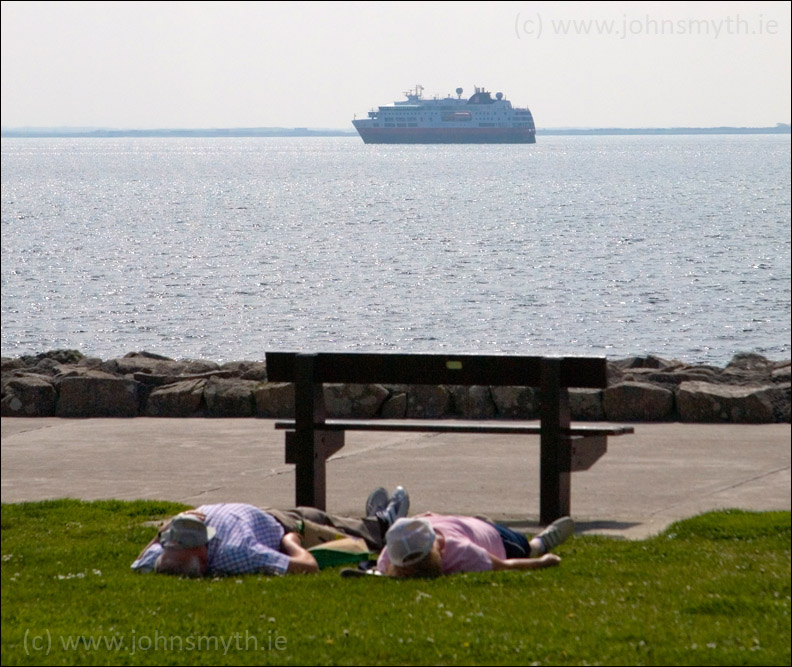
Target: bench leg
(556, 446)
(555, 483)
(310, 459)
(310, 479)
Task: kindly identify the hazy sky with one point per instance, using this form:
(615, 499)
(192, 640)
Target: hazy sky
(249, 64)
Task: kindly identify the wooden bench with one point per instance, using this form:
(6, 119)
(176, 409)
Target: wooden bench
(311, 438)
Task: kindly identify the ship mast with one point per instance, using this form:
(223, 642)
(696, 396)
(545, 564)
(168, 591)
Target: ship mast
(409, 94)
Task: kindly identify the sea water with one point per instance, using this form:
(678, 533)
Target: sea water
(222, 249)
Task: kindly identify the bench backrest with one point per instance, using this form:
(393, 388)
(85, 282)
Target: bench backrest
(451, 369)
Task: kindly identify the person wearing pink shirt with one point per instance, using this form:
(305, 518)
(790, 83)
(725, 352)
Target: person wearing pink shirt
(430, 545)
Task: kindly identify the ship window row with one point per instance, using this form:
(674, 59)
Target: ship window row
(425, 111)
(480, 125)
(444, 116)
(505, 125)
(452, 118)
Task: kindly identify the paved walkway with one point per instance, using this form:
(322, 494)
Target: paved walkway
(662, 473)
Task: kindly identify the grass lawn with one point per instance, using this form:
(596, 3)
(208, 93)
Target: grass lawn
(712, 590)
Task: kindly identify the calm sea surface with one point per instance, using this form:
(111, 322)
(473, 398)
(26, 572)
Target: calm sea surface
(224, 248)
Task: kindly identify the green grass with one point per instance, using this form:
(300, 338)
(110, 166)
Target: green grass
(711, 590)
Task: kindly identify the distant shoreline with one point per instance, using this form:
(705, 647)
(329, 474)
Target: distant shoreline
(96, 133)
(781, 129)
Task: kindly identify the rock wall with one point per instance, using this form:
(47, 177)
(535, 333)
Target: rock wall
(65, 383)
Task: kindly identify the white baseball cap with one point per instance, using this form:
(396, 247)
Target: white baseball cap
(409, 540)
(186, 531)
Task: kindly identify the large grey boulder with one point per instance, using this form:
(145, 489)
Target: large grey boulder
(638, 401)
(96, 394)
(180, 399)
(274, 400)
(706, 402)
(425, 401)
(516, 402)
(586, 405)
(145, 362)
(474, 402)
(246, 370)
(28, 396)
(361, 401)
(9, 364)
(632, 368)
(65, 357)
(395, 406)
(230, 398)
(675, 378)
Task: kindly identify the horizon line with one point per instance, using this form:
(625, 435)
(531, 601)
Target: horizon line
(340, 129)
(65, 131)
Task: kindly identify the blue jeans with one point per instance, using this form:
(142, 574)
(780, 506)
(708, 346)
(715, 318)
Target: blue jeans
(516, 543)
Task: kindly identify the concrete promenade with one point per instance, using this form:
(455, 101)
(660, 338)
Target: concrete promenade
(662, 473)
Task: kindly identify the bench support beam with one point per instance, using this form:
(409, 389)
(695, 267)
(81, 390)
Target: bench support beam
(586, 451)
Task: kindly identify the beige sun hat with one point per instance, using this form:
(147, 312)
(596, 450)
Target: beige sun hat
(186, 531)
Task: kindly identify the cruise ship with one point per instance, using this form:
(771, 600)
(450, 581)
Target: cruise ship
(479, 119)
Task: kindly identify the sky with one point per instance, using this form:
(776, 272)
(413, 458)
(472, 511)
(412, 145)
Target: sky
(147, 65)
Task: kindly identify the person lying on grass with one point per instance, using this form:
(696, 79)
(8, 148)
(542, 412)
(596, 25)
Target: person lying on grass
(235, 538)
(431, 545)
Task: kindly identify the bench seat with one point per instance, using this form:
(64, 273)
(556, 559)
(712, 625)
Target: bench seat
(455, 426)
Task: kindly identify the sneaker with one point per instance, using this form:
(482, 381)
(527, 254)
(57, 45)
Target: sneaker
(557, 532)
(398, 506)
(377, 501)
